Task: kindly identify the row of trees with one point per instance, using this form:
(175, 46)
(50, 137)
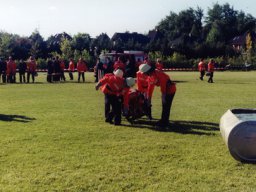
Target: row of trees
(202, 36)
(190, 34)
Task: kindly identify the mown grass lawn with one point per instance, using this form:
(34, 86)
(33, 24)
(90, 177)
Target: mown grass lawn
(53, 138)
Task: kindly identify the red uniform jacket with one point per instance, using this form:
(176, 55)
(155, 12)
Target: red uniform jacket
(126, 96)
(201, 66)
(159, 66)
(119, 65)
(81, 66)
(11, 67)
(112, 84)
(161, 79)
(62, 65)
(142, 82)
(31, 66)
(211, 67)
(71, 66)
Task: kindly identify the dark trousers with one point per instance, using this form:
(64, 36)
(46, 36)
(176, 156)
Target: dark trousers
(113, 108)
(22, 77)
(79, 75)
(202, 73)
(107, 105)
(62, 76)
(49, 78)
(3, 74)
(147, 108)
(11, 78)
(166, 108)
(71, 75)
(210, 80)
(32, 75)
(55, 77)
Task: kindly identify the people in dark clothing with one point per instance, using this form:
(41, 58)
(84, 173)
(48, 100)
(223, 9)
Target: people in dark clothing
(3, 70)
(99, 70)
(108, 66)
(22, 70)
(56, 69)
(130, 68)
(49, 70)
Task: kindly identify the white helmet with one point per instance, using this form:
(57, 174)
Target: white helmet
(118, 73)
(130, 81)
(144, 68)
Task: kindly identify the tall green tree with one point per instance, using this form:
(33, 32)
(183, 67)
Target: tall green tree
(101, 42)
(6, 40)
(245, 22)
(81, 41)
(21, 47)
(38, 45)
(67, 51)
(215, 34)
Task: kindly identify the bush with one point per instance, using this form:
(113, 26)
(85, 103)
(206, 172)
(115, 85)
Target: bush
(41, 63)
(178, 60)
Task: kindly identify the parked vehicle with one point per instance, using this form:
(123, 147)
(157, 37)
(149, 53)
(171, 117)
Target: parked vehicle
(130, 58)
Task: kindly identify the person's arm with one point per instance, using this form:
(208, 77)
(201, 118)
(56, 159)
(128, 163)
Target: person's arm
(103, 81)
(98, 85)
(151, 86)
(139, 86)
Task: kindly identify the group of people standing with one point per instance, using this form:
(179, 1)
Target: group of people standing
(56, 69)
(8, 70)
(116, 86)
(209, 68)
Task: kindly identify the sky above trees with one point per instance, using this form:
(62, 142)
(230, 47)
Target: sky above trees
(94, 17)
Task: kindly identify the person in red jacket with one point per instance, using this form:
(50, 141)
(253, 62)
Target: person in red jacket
(81, 68)
(62, 70)
(211, 70)
(31, 69)
(167, 87)
(71, 68)
(159, 64)
(119, 65)
(11, 71)
(112, 85)
(142, 86)
(201, 69)
(146, 61)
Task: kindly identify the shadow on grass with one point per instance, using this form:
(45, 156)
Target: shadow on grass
(17, 118)
(180, 81)
(182, 127)
(31, 83)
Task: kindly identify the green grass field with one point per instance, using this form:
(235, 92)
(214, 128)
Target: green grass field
(53, 138)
